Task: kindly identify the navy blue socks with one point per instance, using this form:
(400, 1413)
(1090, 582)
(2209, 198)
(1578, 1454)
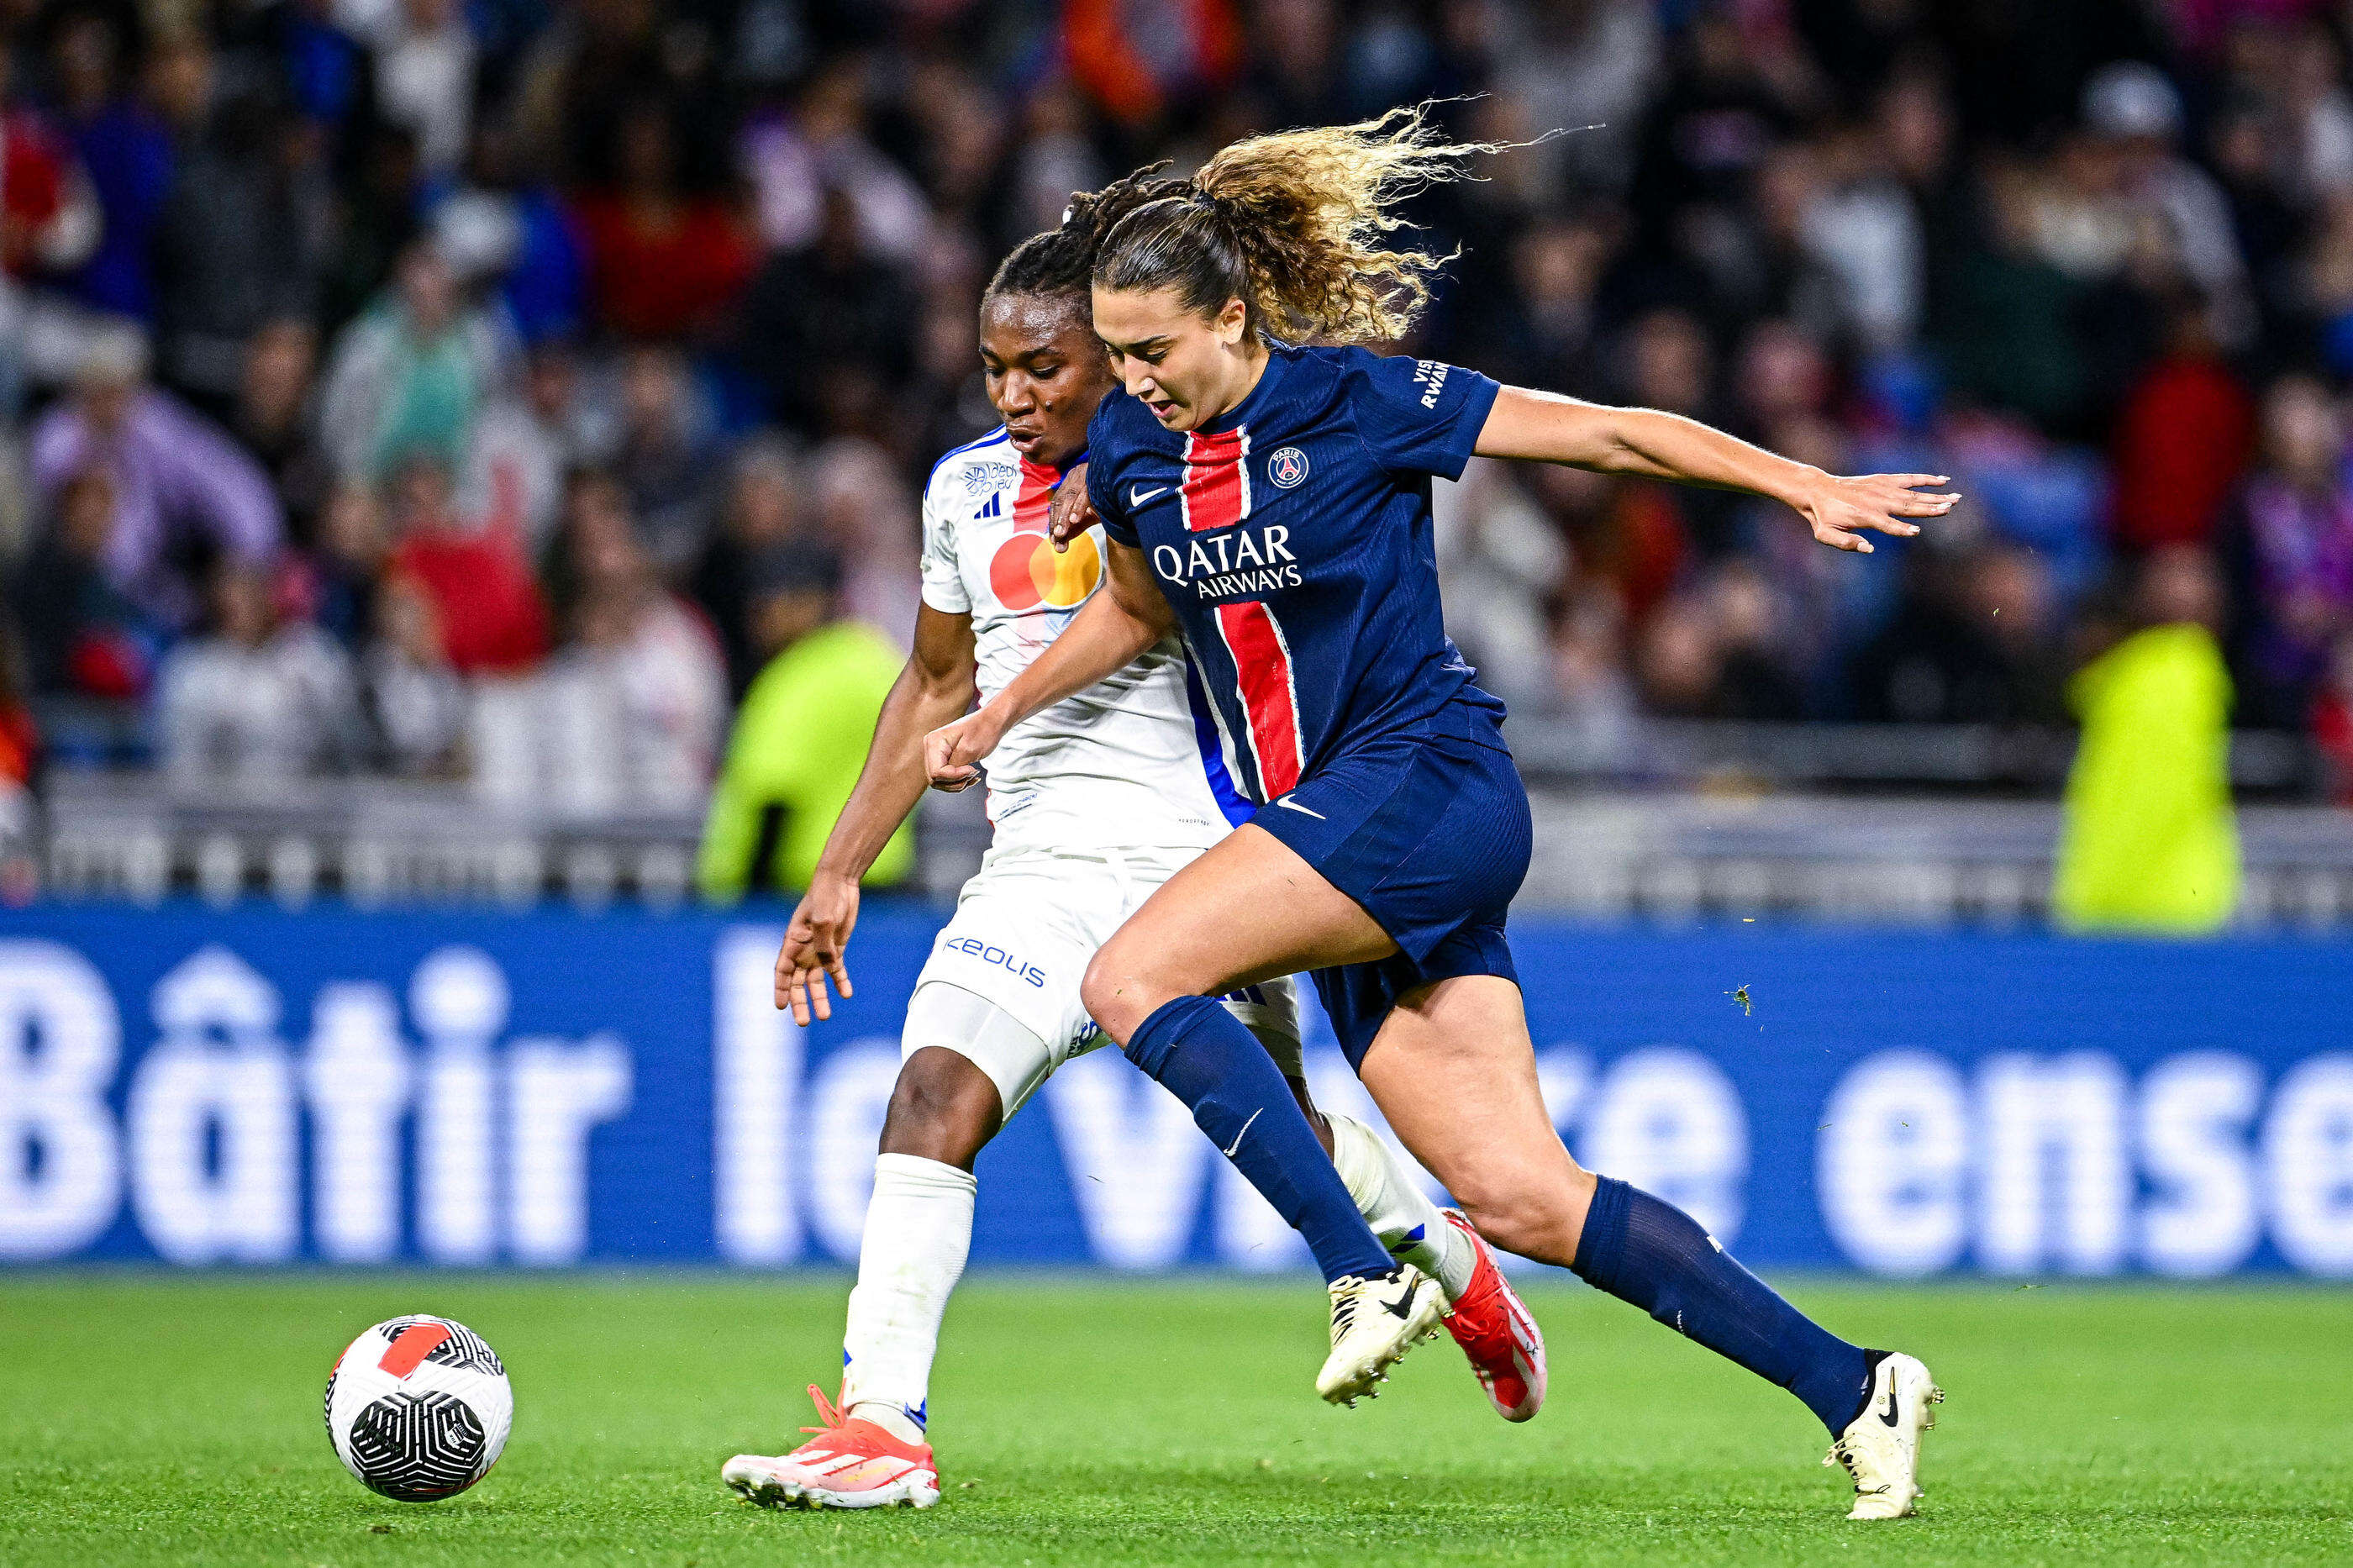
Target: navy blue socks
(1208, 1058)
(1657, 1256)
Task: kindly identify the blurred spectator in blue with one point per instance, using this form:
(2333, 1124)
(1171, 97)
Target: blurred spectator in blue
(125, 147)
(183, 489)
(2291, 550)
(84, 637)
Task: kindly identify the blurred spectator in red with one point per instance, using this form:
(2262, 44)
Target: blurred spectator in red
(2292, 552)
(261, 699)
(2183, 438)
(414, 373)
(84, 637)
(491, 618)
(1138, 60)
(180, 484)
(663, 261)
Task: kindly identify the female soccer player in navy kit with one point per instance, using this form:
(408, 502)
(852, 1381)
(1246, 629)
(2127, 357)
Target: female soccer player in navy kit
(1271, 502)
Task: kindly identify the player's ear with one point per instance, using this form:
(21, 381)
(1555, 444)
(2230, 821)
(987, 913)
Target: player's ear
(1231, 322)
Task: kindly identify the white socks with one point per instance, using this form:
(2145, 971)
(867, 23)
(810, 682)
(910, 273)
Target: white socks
(918, 1234)
(1394, 1204)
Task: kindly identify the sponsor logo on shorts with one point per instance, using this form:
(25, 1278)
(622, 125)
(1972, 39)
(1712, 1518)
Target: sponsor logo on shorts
(975, 947)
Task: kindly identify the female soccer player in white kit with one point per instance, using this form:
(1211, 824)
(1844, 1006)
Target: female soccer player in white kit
(1095, 802)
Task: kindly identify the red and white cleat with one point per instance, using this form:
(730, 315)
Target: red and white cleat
(849, 1464)
(1494, 1329)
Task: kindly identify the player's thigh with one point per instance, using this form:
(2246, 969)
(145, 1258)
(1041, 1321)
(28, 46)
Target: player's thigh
(1248, 908)
(1005, 972)
(1454, 1071)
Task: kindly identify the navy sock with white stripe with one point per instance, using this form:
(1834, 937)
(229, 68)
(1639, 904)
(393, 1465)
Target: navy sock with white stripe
(1208, 1058)
(1653, 1254)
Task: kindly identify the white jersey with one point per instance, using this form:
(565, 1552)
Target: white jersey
(1130, 762)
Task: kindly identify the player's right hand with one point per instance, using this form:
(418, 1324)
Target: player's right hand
(953, 752)
(1070, 513)
(814, 944)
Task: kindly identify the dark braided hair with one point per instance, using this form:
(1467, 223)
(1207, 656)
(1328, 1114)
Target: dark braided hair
(1060, 262)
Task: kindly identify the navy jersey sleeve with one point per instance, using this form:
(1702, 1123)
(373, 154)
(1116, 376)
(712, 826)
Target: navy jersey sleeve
(1419, 416)
(1103, 473)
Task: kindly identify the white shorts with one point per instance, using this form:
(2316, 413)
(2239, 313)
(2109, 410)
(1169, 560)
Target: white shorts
(1024, 930)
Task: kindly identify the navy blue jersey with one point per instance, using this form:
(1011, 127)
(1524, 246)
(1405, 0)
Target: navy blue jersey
(1292, 538)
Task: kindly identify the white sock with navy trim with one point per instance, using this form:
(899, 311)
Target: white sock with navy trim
(918, 1234)
(1397, 1209)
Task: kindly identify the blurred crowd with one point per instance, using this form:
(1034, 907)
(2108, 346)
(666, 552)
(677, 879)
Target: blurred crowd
(497, 389)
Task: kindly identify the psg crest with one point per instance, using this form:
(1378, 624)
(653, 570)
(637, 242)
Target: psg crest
(1286, 467)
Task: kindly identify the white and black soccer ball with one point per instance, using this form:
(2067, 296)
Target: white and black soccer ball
(418, 1408)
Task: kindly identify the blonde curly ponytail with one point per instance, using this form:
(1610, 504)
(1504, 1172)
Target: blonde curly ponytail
(1295, 225)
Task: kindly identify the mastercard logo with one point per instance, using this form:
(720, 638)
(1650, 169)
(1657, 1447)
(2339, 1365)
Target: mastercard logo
(1027, 573)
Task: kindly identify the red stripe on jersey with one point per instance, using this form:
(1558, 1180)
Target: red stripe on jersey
(1215, 493)
(1270, 699)
(1035, 496)
(411, 1346)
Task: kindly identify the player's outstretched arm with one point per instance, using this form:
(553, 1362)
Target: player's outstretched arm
(939, 683)
(1105, 636)
(1545, 427)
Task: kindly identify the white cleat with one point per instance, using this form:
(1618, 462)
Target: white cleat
(1374, 1323)
(1881, 1448)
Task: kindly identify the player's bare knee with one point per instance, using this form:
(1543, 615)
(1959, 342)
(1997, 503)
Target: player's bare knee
(1116, 995)
(943, 1108)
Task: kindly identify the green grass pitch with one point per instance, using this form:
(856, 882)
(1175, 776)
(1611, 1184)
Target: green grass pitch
(145, 1418)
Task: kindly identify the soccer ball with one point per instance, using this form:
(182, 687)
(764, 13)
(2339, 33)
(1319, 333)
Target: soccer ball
(418, 1408)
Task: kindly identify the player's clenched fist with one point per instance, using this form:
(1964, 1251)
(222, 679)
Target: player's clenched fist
(953, 752)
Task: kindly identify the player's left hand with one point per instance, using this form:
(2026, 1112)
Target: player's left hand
(1841, 510)
(1070, 513)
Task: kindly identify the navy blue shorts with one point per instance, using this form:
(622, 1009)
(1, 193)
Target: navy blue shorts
(1429, 830)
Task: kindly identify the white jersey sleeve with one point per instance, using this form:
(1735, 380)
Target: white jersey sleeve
(944, 588)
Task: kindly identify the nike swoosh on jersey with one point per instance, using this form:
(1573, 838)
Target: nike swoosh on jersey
(1139, 495)
(1289, 804)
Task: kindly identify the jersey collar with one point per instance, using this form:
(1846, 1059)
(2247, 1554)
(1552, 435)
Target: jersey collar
(1278, 365)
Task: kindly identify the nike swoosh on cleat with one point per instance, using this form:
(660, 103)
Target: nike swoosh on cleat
(1244, 1133)
(1289, 804)
(1139, 495)
(1403, 1305)
(1889, 1416)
